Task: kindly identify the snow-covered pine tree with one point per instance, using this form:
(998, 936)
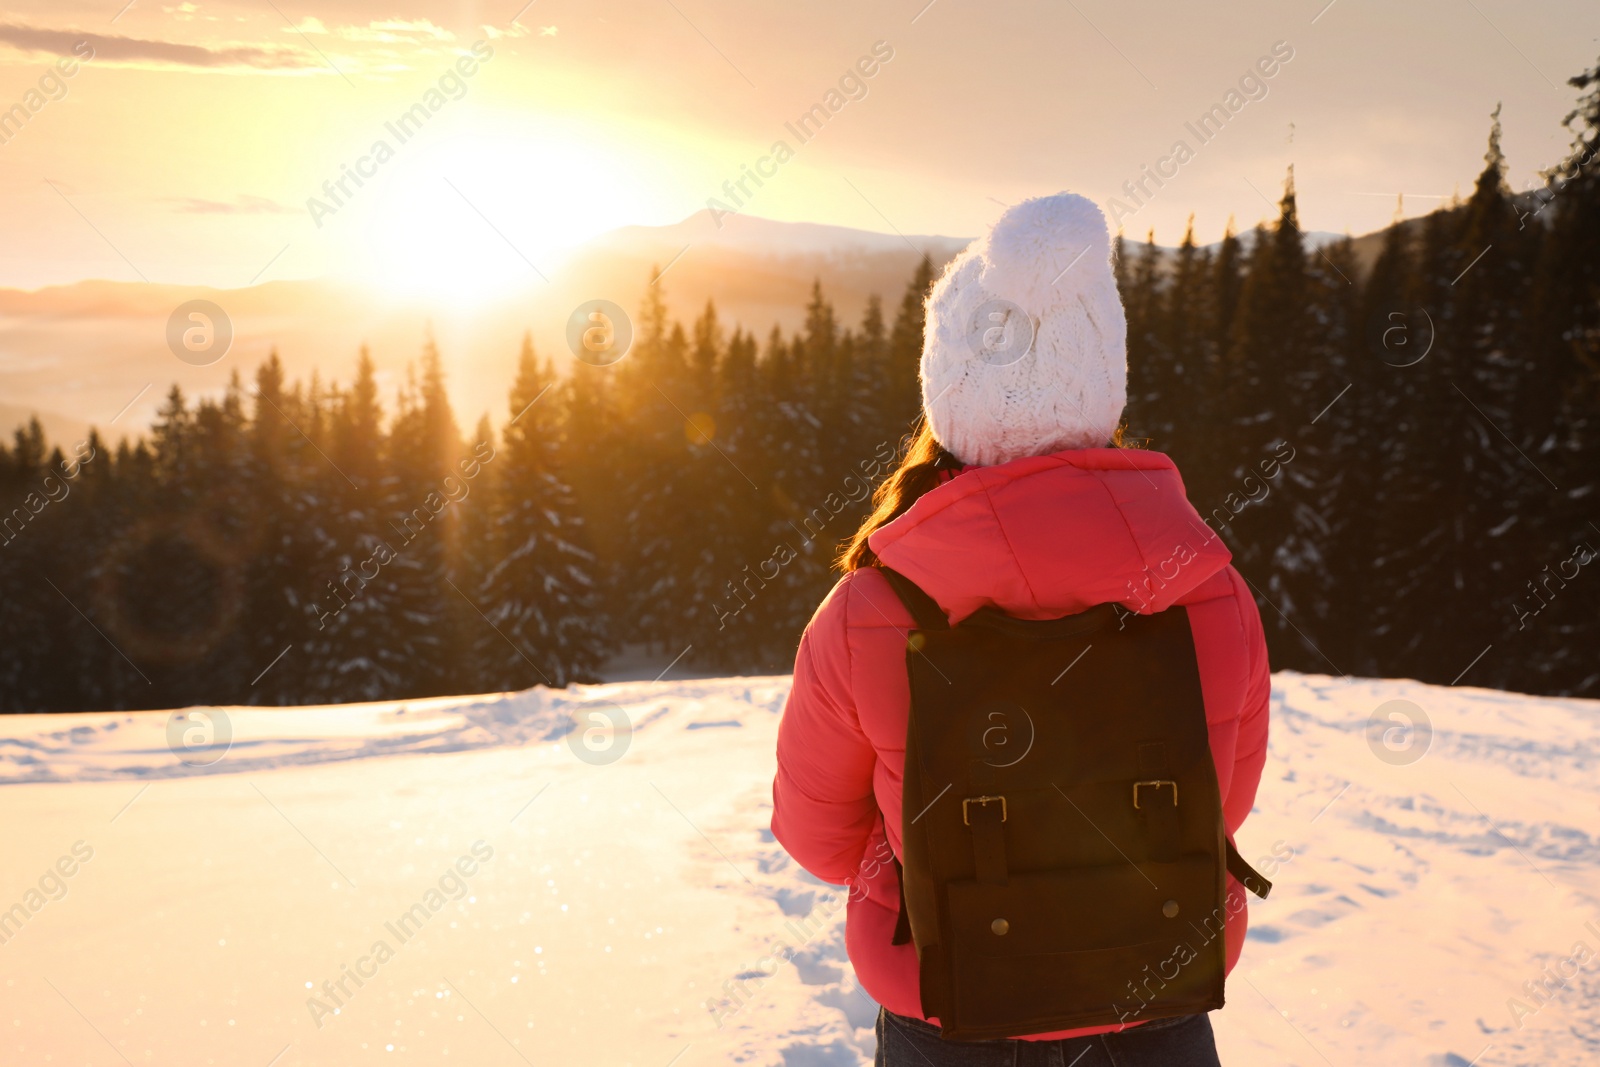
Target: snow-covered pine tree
(1564, 324)
(594, 440)
(431, 619)
(539, 591)
(352, 613)
(1268, 347)
(1316, 486)
(799, 384)
(723, 477)
(215, 533)
(739, 634)
(1150, 417)
(1504, 496)
(652, 457)
(905, 346)
(277, 572)
(86, 520)
(35, 618)
(1200, 307)
(1378, 571)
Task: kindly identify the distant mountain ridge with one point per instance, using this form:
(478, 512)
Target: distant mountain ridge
(758, 235)
(78, 353)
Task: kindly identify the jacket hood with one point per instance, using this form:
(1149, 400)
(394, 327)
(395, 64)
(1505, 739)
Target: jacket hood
(1047, 536)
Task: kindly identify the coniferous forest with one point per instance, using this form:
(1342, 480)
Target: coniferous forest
(1403, 457)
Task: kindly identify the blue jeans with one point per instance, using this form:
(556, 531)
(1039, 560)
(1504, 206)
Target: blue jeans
(1182, 1041)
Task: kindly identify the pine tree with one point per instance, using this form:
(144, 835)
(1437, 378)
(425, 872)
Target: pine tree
(432, 618)
(1267, 350)
(221, 645)
(540, 594)
(738, 635)
(652, 385)
(1207, 468)
(1382, 569)
(1319, 484)
(353, 616)
(905, 347)
(596, 448)
(1151, 415)
(721, 489)
(789, 441)
(1492, 491)
(34, 618)
(480, 482)
(1183, 335)
(1564, 331)
(289, 547)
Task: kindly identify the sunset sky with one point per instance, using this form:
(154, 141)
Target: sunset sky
(186, 150)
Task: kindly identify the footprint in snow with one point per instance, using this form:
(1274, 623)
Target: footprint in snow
(834, 1054)
(795, 904)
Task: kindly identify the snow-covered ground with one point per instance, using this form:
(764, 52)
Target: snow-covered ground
(598, 910)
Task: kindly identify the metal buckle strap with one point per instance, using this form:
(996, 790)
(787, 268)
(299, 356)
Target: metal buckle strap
(1155, 784)
(1161, 825)
(987, 822)
(966, 819)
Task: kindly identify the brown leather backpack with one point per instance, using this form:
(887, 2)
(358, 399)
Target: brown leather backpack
(1064, 850)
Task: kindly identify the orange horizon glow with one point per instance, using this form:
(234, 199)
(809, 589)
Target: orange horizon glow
(193, 145)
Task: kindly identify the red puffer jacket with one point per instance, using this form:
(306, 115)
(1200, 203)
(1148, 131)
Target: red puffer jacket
(1037, 538)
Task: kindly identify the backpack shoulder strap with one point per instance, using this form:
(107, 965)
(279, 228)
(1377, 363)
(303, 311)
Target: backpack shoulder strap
(924, 609)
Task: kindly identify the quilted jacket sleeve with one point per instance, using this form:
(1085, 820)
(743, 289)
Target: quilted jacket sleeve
(823, 808)
(1250, 756)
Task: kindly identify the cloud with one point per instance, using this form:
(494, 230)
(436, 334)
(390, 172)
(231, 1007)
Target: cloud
(136, 52)
(394, 31)
(494, 33)
(413, 28)
(309, 24)
(241, 205)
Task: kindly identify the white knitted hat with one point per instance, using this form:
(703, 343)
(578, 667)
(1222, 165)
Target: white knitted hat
(1041, 275)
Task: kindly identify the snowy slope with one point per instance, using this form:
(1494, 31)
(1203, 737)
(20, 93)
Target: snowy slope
(626, 893)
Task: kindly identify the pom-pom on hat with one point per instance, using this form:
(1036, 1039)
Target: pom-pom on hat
(1025, 348)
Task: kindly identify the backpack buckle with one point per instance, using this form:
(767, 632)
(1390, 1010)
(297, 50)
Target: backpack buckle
(1155, 784)
(966, 819)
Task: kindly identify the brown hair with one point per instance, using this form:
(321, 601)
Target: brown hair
(924, 457)
(920, 466)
